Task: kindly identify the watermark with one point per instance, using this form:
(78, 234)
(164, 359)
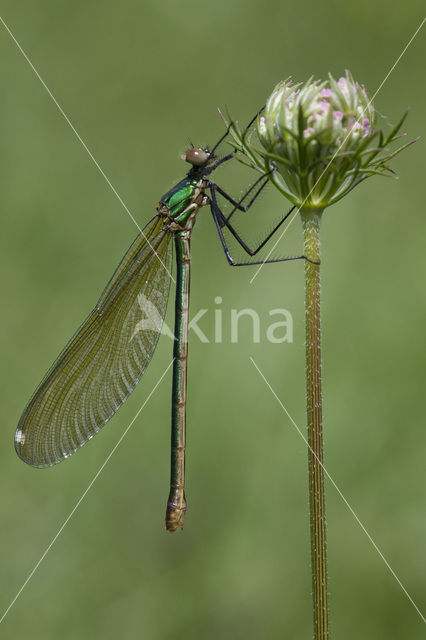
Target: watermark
(276, 328)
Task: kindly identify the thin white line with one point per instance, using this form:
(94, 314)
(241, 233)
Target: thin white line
(336, 152)
(84, 145)
(80, 500)
(399, 58)
(341, 494)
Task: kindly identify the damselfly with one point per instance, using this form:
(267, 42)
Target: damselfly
(101, 365)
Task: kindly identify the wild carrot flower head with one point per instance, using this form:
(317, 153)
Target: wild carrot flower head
(318, 139)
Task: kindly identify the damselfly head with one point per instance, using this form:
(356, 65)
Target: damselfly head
(197, 156)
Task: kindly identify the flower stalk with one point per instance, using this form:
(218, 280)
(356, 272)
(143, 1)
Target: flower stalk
(311, 223)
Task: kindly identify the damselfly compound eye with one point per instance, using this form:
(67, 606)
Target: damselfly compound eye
(196, 156)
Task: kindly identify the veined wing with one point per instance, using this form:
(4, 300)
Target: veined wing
(105, 359)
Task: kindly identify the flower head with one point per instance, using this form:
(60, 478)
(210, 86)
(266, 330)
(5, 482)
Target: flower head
(317, 140)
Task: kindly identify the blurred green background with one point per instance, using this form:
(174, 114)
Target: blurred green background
(137, 79)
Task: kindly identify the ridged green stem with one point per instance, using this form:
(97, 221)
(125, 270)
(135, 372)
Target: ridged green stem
(311, 221)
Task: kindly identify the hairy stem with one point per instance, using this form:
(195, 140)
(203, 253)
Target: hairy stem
(311, 221)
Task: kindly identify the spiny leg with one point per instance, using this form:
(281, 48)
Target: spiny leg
(228, 129)
(219, 142)
(229, 126)
(214, 166)
(238, 205)
(219, 217)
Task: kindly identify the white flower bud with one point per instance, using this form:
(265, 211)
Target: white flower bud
(317, 140)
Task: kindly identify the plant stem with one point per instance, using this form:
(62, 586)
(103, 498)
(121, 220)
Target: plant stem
(311, 221)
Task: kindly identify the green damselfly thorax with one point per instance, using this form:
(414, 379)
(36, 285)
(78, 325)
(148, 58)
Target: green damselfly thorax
(101, 365)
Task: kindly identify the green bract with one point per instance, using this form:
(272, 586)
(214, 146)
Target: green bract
(318, 140)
